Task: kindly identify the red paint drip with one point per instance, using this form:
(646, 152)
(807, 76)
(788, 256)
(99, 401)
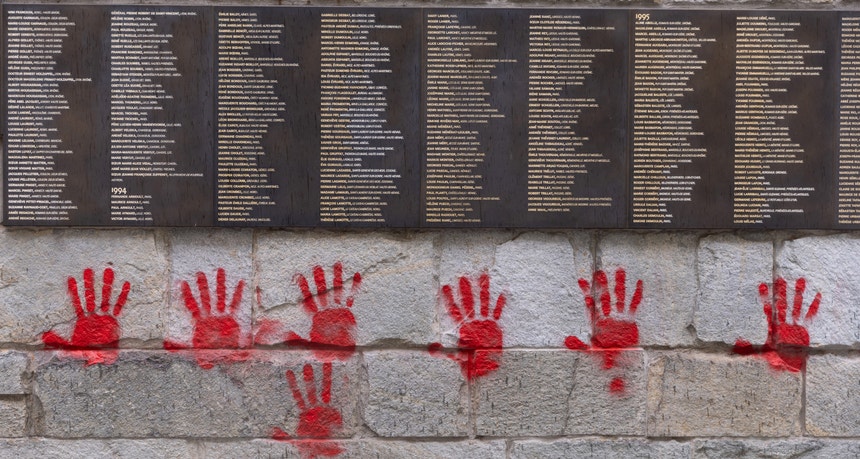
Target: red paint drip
(610, 336)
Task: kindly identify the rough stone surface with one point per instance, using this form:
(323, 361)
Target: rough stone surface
(561, 393)
(468, 253)
(666, 264)
(25, 448)
(206, 251)
(829, 265)
(424, 450)
(395, 303)
(153, 394)
(594, 408)
(538, 272)
(796, 448)
(536, 385)
(593, 448)
(414, 394)
(720, 395)
(728, 306)
(13, 416)
(13, 368)
(359, 449)
(34, 295)
(833, 396)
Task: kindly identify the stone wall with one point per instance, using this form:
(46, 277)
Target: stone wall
(218, 350)
(254, 375)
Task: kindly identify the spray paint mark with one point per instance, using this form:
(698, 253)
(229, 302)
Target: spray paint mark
(481, 334)
(787, 345)
(332, 334)
(213, 328)
(609, 335)
(318, 420)
(95, 336)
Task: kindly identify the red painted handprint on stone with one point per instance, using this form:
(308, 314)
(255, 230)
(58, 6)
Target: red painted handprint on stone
(318, 420)
(332, 334)
(787, 343)
(213, 328)
(481, 334)
(609, 334)
(95, 328)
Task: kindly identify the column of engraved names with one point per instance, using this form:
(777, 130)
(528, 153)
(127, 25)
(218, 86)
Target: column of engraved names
(559, 64)
(667, 56)
(355, 135)
(35, 186)
(767, 59)
(248, 106)
(140, 147)
(457, 106)
(849, 123)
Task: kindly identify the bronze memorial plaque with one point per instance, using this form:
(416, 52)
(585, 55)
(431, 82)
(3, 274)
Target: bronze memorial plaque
(430, 117)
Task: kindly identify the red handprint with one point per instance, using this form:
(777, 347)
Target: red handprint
(787, 344)
(333, 324)
(609, 335)
(317, 421)
(476, 334)
(213, 329)
(94, 329)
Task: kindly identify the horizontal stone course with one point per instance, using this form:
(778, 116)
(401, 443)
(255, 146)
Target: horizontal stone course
(696, 394)
(149, 394)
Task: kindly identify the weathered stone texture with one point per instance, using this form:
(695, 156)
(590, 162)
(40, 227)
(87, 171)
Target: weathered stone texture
(414, 394)
(13, 416)
(595, 407)
(833, 396)
(795, 448)
(594, 448)
(720, 395)
(26, 448)
(398, 291)
(13, 368)
(205, 251)
(666, 264)
(728, 306)
(35, 266)
(538, 272)
(148, 394)
(829, 265)
(558, 393)
(357, 449)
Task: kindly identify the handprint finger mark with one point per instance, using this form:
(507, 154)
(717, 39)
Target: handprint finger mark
(480, 338)
(318, 420)
(216, 328)
(786, 347)
(332, 334)
(96, 331)
(609, 335)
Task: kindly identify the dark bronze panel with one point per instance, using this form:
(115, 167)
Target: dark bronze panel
(122, 108)
(524, 118)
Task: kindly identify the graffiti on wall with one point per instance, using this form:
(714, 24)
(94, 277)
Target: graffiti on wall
(332, 333)
(787, 344)
(479, 346)
(611, 331)
(318, 419)
(214, 328)
(96, 333)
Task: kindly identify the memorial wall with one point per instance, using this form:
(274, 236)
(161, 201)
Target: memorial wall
(430, 117)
